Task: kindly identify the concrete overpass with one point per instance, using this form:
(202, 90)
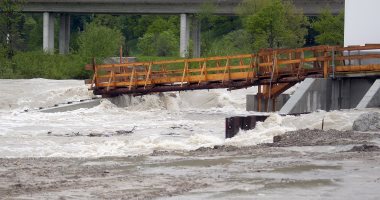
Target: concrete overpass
(186, 8)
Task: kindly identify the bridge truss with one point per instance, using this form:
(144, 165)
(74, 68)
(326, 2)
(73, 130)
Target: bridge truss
(273, 70)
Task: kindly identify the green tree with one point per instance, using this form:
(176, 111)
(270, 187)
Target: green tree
(330, 28)
(10, 22)
(160, 44)
(160, 38)
(146, 44)
(33, 37)
(235, 42)
(249, 7)
(275, 24)
(99, 41)
(167, 44)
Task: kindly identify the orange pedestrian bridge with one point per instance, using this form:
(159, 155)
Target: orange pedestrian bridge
(272, 70)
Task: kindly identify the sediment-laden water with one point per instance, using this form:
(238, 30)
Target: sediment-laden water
(170, 144)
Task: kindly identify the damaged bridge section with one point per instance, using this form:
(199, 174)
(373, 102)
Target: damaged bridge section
(272, 70)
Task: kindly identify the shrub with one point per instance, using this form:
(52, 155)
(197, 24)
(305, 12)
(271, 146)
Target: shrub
(99, 42)
(161, 44)
(235, 42)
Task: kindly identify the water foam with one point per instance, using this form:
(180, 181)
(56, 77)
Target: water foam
(169, 121)
(34, 93)
(277, 125)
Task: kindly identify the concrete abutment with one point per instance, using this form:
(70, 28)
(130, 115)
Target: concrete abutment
(333, 94)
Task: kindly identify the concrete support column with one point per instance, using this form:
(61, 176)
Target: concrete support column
(64, 34)
(196, 37)
(184, 35)
(48, 32)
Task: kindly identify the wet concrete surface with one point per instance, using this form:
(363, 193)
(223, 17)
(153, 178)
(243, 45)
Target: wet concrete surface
(267, 171)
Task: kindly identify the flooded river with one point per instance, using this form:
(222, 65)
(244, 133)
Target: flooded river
(166, 146)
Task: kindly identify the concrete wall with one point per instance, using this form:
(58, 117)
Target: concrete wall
(311, 95)
(347, 93)
(327, 94)
(252, 102)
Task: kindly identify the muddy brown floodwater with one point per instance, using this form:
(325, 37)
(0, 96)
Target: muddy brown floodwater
(305, 164)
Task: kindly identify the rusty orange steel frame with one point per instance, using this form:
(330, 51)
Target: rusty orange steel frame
(273, 70)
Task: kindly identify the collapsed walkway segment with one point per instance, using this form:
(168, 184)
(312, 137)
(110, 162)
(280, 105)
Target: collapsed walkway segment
(273, 70)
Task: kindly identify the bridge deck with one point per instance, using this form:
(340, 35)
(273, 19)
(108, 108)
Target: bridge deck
(222, 7)
(268, 67)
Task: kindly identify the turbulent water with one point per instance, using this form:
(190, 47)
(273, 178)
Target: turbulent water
(169, 121)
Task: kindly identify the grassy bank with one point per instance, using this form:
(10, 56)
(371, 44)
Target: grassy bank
(37, 64)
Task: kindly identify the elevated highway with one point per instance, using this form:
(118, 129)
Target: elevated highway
(222, 7)
(185, 8)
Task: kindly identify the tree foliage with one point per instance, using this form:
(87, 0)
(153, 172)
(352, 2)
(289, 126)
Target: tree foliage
(99, 41)
(275, 24)
(260, 24)
(10, 22)
(160, 44)
(330, 28)
(161, 37)
(235, 42)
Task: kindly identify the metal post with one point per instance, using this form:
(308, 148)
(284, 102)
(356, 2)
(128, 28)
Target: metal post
(259, 98)
(121, 54)
(333, 62)
(325, 65)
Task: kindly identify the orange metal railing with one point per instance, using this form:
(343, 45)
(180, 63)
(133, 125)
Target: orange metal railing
(272, 67)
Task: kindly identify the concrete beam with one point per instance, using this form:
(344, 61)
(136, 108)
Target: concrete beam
(372, 98)
(48, 32)
(224, 7)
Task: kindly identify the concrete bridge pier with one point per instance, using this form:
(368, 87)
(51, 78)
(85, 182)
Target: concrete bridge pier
(196, 37)
(48, 32)
(184, 35)
(190, 26)
(64, 34)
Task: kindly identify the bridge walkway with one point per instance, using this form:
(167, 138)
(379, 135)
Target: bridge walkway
(273, 70)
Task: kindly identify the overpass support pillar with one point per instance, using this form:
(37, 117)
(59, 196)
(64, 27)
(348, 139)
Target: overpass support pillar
(196, 37)
(184, 35)
(48, 32)
(64, 34)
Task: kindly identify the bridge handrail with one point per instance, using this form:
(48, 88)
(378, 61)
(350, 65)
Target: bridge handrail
(267, 64)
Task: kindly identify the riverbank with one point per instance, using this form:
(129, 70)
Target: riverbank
(296, 166)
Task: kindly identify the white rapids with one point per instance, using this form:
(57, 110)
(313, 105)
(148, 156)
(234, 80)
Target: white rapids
(169, 121)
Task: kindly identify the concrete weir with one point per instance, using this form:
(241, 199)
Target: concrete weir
(332, 94)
